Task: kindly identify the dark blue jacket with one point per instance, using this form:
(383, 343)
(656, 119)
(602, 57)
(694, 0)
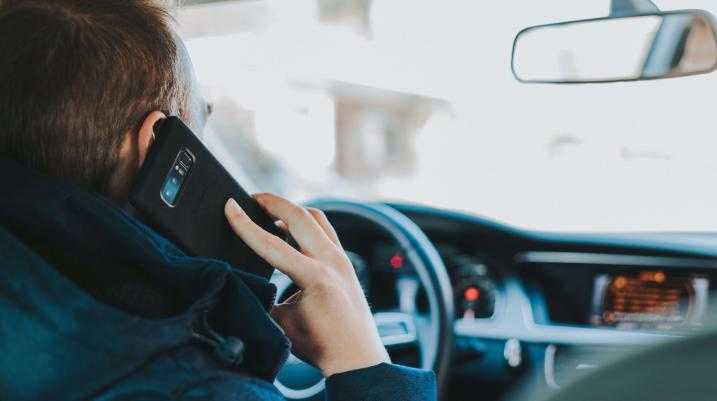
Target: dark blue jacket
(95, 305)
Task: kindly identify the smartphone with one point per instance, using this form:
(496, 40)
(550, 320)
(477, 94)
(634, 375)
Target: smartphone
(181, 191)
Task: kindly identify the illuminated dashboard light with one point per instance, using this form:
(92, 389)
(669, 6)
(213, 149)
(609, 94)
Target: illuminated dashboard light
(396, 261)
(620, 282)
(471, 294)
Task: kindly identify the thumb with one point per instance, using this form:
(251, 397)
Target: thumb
(283, 316)
(286, 316)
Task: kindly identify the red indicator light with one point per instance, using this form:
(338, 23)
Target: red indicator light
(396, 261)
(471, 294)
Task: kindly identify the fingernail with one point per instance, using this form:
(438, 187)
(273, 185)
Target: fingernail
(233, 206)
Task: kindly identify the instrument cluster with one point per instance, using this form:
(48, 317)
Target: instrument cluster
(475, 283)
(474, 278)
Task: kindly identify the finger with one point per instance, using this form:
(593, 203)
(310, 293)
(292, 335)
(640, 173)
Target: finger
(302, 226)
(269, 247)
(325, 225)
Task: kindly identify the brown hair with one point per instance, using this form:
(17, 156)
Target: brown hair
(76, 76)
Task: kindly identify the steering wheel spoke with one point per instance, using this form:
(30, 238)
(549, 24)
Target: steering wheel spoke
(396, 329)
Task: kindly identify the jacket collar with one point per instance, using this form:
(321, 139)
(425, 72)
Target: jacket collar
(62, 335)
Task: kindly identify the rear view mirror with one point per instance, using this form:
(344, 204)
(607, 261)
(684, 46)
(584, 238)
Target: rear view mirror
(630, 48)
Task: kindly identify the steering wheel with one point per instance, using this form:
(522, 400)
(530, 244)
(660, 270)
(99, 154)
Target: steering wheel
(431, 333)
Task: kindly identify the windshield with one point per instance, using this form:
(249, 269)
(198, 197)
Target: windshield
(414, 101)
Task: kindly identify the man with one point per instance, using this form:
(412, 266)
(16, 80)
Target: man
(95, 305)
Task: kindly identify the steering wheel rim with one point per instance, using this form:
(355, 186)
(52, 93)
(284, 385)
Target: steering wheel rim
(431, 272)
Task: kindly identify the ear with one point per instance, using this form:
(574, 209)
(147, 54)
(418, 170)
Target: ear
(145, 136)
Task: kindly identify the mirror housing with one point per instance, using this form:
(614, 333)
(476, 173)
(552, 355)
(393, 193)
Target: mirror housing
(645, 46)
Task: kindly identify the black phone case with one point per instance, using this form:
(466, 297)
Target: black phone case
(197, 222)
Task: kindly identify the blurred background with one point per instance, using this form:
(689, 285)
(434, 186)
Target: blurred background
(414, 100)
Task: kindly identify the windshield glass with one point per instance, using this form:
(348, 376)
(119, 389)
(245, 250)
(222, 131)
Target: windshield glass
(415, 101)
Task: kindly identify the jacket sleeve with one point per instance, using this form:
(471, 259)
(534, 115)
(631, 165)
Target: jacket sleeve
(382, 382)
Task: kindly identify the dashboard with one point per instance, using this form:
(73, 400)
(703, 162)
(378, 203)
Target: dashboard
(544, 305)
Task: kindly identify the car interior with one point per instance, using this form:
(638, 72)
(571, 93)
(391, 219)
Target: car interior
(517, 265)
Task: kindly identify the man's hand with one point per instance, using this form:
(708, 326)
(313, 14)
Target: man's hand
(328, 320)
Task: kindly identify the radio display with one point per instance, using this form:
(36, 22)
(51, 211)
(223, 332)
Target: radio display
(652, 300)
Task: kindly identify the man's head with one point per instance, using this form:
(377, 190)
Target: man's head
(82, 83)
